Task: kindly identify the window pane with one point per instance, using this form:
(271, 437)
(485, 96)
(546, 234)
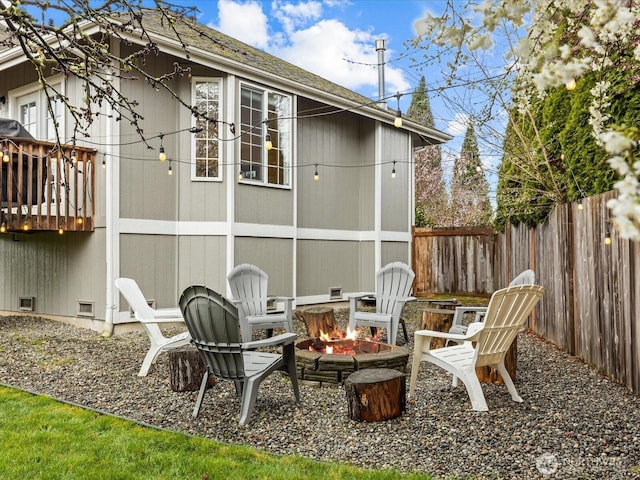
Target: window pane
(207, 101)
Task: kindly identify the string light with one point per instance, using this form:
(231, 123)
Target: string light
(267, 142)
(580, 206)
(607, 237)
(170, 171)
(3, 227)
(74, 154)
(104, 160)
(162, 156)
(316, 177)
(393, 170)
(25, 225)
(397, 122)
(571, 84)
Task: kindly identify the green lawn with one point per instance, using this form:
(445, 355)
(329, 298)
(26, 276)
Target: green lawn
(42, 438)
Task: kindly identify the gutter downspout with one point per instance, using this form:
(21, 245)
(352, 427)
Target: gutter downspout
(112, 213)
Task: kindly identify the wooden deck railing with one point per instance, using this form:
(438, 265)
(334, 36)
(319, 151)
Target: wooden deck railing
(46, 188)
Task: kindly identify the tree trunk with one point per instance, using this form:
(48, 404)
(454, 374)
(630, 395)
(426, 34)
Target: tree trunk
(317, 320)
(186, 369)
(439, 320)
(375, 394)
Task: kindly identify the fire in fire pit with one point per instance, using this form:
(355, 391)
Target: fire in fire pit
(332, 361)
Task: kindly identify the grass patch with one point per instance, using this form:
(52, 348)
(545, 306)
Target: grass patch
(43, 438)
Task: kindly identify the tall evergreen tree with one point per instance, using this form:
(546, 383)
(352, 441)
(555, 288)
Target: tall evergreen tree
(431, 195)
(470, 205)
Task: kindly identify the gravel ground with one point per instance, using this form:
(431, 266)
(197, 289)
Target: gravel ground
(573, 424)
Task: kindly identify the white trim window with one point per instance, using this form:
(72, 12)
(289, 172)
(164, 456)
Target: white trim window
(29, 106)
(262, 113)
(206, 97)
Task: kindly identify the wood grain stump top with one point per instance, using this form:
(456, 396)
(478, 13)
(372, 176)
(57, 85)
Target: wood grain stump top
(375, 394)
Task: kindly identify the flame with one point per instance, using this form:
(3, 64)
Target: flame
(329, 349)
(352, 334)
(324, 336)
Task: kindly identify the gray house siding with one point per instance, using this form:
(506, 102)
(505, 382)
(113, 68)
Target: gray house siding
(274, 256)
(327, 264)
(201, 260)
(58, 271)
(263, 205)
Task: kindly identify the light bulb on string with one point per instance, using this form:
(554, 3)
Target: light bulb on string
(267, 142)
(571, 84)
(240, 175)
(316, 177)
(580, 206)
(397, 122)
(170, 171)
(393, 170)
(607, 238)
(104, 161)
(3, 227)
(161, 155)
(5, 156)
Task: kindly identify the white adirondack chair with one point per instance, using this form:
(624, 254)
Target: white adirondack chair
(485, 343)
(249, 290)
(527, 277)
(393, 288)
(213, 324)
(150, 318)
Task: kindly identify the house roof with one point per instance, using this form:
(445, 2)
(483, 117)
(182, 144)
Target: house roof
(212, 48)
(204, 43)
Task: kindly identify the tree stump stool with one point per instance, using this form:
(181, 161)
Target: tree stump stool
(318, 319)
(439, 320)
(375, 394)
(186, 369)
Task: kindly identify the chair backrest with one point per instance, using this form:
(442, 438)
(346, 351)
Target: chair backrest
(214, 327)
(393, 281)
(528, 277)
(507, 312)
(135, 298)
(249, 286)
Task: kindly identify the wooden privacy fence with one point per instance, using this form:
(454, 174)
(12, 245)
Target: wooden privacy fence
(591, 306)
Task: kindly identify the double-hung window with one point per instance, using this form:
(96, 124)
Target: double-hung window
(265, 115)
(206, 97)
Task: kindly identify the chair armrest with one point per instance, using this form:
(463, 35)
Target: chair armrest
(163, 315)
(460, 311)
(282, 339)
(359, 295)
(472, 332)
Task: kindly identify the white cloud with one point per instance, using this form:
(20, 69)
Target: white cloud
(244, 21)
(458, 125)
(324, 46)
(294, 16)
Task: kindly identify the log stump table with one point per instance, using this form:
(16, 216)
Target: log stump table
(186, 369)
(375, 394)
(438, 320)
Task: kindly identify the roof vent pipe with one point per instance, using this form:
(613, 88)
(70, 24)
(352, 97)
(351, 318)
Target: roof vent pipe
(380, 48)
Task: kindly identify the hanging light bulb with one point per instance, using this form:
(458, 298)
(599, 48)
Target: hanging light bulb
(580, 206)
(161, 155)
(3, 227)
(240, 175)
(74, 155)
(267, 142)
(104, 161)
(5, 156)
(25, 225)
(60, 231)
(607, 238)
(170, 171)
(316, 177)
(571, 84)
(80, 221)
(393, 170)
(397, 122)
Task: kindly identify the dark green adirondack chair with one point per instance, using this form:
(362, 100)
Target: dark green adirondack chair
(213, 324)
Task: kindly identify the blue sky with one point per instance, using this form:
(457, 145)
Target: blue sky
(336, 40)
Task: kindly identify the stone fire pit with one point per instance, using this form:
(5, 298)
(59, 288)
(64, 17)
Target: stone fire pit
(317, 366)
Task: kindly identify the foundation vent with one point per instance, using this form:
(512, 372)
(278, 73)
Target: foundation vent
(85, 309)
(27, 304)
(335, 293)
